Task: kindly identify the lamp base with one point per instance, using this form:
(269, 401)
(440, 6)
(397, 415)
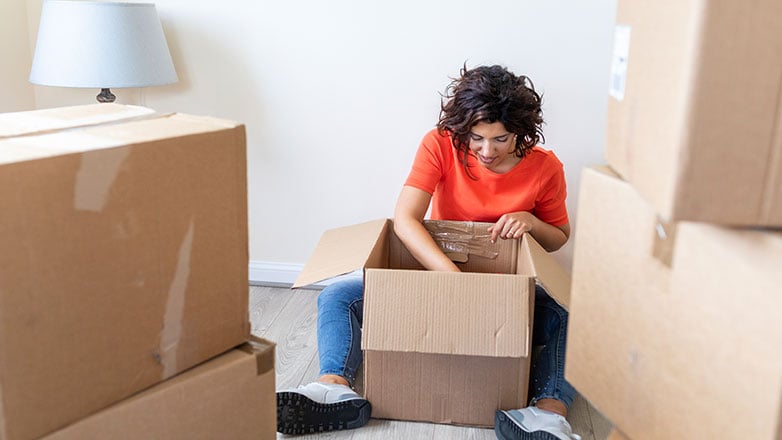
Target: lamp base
(105, 95)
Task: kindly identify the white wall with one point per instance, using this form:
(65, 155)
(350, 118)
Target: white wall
(336, 95)
(16, 94)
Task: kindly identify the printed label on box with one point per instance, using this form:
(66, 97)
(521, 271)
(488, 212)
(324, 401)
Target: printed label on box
(619, 62)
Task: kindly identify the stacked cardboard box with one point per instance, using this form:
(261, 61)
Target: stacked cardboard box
(675, 337)
(124, 263)
(675, 327)
(230, 397)
(439, 346)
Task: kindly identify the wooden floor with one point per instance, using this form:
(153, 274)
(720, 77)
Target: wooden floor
(289, 318)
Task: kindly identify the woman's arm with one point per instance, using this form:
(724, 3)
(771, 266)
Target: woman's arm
(408, 226)
(513, 224)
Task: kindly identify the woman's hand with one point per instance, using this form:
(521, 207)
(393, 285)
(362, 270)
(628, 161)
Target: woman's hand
(514, 224)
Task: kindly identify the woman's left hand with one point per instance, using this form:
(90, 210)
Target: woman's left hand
(512, 225)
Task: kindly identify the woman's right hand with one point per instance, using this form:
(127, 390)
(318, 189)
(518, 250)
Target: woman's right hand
(408, 226)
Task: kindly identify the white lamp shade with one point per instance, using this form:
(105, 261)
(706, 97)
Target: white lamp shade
(99, 44)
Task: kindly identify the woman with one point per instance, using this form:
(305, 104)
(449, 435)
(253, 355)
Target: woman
(481, 163)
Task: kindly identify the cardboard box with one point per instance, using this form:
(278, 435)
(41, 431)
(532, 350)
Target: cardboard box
(442, 347)
(694, 120)
(124, 257)
(616, 435)
(677, 337)
(231, 396)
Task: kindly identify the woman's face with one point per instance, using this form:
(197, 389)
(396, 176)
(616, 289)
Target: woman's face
(493, 146)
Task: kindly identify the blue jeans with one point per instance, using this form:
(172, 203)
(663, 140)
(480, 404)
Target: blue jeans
(340, 316)
(549, 331)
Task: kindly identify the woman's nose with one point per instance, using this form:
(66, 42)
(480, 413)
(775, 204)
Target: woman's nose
(486, 149)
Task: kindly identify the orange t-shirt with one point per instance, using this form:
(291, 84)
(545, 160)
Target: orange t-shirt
(536, 184)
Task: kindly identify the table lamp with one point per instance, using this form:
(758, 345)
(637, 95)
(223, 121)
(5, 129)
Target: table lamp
(101, 44)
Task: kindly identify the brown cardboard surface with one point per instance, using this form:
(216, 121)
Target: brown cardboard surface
(447, 313)
(444, 388)
(468, 245)
(616, 435)
(124, 262)
(667, 349)
(226, 397)
(549, 273)
(698, 129)
(48, 120)
(420, 324)
(343, 250)
(374, 245)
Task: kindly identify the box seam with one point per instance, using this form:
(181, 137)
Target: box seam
(773, 164)
(78, 127)
(685, 155)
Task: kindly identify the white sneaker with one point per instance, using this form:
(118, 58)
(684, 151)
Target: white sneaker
(532, 423)
(318, 407)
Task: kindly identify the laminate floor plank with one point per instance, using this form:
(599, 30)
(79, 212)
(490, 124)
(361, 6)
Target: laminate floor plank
(293, 330)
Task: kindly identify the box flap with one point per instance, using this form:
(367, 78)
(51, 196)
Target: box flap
(47, 120)
(473, 314)
(549, 273)
(343, 250)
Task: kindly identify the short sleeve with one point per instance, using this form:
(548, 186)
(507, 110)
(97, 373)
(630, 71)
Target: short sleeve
(550, 205)
(428, 165)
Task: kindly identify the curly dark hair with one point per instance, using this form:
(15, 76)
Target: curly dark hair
(491, 94)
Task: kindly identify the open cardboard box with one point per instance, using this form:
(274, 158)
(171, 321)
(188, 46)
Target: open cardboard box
(442, 347)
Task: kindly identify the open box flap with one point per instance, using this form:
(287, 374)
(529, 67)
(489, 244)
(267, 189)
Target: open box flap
(548, 272)
(343, 250)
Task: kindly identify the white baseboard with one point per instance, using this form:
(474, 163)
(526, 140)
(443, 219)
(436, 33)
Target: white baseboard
(266, 273)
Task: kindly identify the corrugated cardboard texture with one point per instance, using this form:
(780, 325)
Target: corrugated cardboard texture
(464, 390)
(121, 266)
(697, 132)
(224, 398)
(447, 313)
(343, 250)
(446, 324)
(666, 352)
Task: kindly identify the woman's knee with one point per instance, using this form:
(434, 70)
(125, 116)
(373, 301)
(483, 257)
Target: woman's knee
(545, 304)
(341, 293)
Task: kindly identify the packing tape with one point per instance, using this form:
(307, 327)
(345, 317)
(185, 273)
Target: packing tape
(175, 306)
(263, 350)
(97, 172)
(459, 240)
(664, 241)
